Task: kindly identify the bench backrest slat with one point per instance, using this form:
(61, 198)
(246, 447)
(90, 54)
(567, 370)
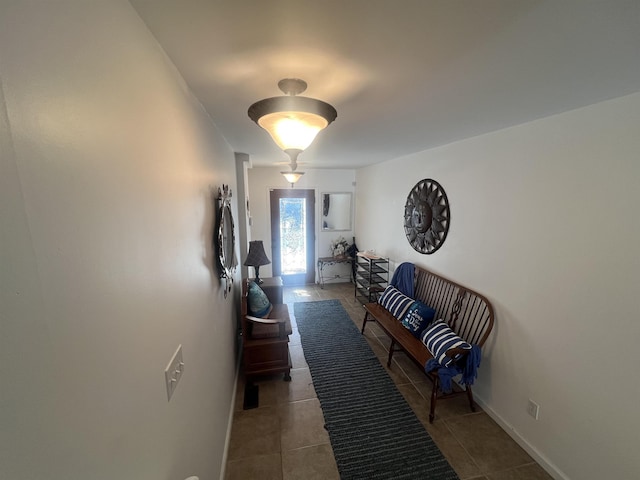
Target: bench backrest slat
(467, 312)
(435, 292)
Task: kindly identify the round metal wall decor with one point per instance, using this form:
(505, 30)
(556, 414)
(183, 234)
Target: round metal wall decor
(426, 216)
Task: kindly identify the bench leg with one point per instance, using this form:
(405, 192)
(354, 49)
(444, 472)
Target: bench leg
(391, 350)
(364, 322)
(472, 404)
(434, 398)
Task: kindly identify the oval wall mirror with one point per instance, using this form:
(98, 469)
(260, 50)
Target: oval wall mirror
(226, 239)
(336, 211)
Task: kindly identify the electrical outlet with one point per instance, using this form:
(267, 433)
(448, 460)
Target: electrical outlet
(533, 409)
(173, 372)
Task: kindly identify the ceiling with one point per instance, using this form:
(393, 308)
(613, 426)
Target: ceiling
(404, 75)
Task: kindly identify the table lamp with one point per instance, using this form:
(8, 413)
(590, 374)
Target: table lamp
(256, 257)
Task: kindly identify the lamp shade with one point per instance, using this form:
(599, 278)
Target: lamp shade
(293, 122)
(256, 256)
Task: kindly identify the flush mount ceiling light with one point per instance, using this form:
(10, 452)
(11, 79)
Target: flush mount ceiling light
(293, 122)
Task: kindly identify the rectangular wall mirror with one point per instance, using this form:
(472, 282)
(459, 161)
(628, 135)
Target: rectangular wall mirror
(336, 211)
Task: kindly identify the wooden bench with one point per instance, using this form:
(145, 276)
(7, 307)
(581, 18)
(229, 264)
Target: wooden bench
(467, 313)
(265, 341)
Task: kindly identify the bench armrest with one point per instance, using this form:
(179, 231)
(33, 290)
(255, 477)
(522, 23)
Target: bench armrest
(265, 320)
(452, 352)
(281, 322)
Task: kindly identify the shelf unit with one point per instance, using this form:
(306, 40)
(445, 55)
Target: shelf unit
(371, 277)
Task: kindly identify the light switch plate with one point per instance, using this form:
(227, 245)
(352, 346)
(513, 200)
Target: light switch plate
(533, 409)
(173, 372)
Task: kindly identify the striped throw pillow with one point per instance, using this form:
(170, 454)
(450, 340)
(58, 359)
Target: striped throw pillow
(439, 338)
(395, 301)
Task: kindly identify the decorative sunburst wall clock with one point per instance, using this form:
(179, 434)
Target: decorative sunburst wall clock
(426, 216)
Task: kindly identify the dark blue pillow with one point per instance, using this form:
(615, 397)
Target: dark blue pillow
(417, 318)
(395, 301)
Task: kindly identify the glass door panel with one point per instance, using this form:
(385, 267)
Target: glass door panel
(292, 235)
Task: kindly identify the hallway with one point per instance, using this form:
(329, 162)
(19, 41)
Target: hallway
(284, 438)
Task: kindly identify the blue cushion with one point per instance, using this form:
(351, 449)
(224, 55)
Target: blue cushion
(417, 318)
(439, 338)
(257, 302)
(395, 301)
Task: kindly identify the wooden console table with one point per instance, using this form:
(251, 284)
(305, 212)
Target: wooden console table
(326, 261)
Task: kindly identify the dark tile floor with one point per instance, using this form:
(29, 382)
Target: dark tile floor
(284, 438)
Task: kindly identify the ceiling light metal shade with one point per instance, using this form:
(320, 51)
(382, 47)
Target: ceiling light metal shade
(293, 122)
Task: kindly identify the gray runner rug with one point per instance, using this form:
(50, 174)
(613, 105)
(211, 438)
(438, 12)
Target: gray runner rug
(373, 431)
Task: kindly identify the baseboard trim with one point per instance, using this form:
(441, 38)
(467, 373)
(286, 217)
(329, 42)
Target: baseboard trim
(232, 408)
(543, 461)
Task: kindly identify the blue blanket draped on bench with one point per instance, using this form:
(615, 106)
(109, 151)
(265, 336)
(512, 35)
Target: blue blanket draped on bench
(469, 370)
(403, 278)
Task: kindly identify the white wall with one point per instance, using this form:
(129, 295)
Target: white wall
(544, 222)
(263, 179)
(106, 265)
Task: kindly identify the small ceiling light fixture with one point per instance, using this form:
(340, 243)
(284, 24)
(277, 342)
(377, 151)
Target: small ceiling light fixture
(292, 177)
(293, 122)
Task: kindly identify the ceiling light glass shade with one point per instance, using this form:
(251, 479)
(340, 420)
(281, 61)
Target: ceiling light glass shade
(293, 130)
(293, 122)
(292, 177)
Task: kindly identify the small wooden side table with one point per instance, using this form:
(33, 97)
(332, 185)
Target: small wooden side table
(272, 286)
(326, 261)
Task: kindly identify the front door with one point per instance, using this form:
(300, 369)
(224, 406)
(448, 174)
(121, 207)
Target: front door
(292, 235)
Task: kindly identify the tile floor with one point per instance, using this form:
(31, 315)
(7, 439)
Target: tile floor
(284, 438)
